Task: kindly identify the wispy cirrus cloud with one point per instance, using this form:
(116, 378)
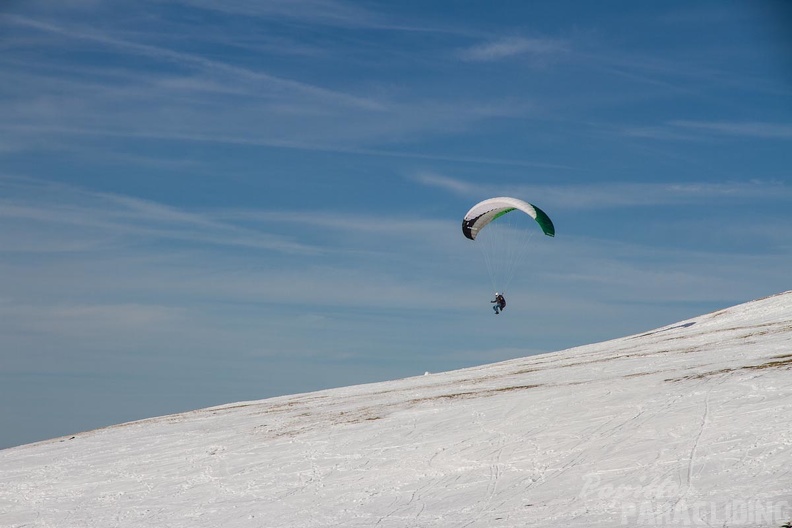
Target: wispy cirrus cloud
(45, 217)
(334, 14)
(615, 194)
(167, 252)
(509, 47)
(456, 186)
(685, 130)
(328, 12)
(754, 129)
(390, 225)
(79, 319)
(205, 98)
(276, 83)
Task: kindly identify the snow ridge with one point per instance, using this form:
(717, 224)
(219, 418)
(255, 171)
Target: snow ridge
(685, 425)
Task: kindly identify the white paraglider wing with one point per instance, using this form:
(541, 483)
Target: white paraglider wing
(502, 229)
(485, 212)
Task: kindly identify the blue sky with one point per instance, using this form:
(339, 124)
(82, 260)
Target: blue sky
(206, 202)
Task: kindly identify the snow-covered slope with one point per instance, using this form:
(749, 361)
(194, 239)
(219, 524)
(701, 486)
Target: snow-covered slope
(685, 425)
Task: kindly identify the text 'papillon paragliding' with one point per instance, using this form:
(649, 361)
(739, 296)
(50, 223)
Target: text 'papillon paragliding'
(503, 232)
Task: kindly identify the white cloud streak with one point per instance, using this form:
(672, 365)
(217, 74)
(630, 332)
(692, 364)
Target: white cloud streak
(616, 194)
(104, 218)
(756, 129)
(709, 131)
(511, 47)
(456, 186)
(207, 100)
(327, 12)
(273, 82)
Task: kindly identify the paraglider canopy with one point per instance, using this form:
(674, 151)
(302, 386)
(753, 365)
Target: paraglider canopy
(502, 228)
(485, 212)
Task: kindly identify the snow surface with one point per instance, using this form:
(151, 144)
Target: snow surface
(685, 425)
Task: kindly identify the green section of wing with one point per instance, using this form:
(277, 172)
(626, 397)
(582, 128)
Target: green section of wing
(544, 222)
(509, 210)
(540, 216)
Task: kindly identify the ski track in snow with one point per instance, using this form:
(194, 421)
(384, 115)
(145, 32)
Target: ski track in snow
(626, 432)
